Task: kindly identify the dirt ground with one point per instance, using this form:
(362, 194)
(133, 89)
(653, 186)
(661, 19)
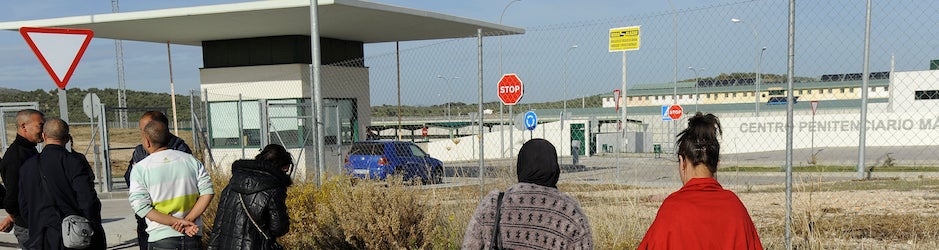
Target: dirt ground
(122, 141)
(878, 214)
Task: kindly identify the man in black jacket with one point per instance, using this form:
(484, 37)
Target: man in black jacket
(55, 184)
(28, 133)
(140, 153)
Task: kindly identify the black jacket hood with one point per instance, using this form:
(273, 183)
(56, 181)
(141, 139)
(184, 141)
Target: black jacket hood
(251, 176)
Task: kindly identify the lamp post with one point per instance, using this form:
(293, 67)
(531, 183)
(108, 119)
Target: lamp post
(696, 96)
(501, 105)
(564, 112)
(449, 93)
(759, 61)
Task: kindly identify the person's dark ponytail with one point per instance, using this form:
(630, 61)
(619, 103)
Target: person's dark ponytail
(699, 143)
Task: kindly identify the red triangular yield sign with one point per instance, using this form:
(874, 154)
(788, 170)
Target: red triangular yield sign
(59, 50)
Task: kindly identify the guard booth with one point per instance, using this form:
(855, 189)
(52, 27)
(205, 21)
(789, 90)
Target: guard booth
(268, 57)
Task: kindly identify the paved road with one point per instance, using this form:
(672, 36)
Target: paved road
(663, 172)
(119, 224)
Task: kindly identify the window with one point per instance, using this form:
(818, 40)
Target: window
(851, 90)
(343, 129)
(367, 148)
(829, 91)
(735, 94)
(647, 98)
(842, 90)
(417, 152)
(801, 92)
(709, 95)
(885, 88)
(629, 98)
(656, 98)
(402, 150)
(726, 95)
(927, 95)
(224, 119)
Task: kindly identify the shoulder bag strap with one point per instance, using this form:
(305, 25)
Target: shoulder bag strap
(496, 240)
(42, 182)
(242, 200)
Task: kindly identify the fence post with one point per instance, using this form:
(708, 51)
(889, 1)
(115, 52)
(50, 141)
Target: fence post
(106, 183)
(192, 119)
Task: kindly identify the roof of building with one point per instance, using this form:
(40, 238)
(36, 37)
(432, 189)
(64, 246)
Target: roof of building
(806, 106)
(351, 20)
(685, 88)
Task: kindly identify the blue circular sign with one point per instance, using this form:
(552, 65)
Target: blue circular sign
(531, 120)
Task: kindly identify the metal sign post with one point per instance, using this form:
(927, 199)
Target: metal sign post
(621, 40)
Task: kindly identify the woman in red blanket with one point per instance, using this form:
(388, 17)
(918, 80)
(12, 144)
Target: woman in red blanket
(702, 214)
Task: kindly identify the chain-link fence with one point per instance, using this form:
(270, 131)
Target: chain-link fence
(729, 60)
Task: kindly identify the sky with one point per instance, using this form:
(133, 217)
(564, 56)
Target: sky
(829, 40)
(146, 65)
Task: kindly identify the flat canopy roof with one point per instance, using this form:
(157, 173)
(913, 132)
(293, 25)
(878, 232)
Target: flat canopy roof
(351, 20)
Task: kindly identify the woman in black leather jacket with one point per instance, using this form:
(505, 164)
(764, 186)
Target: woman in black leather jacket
(261, 185)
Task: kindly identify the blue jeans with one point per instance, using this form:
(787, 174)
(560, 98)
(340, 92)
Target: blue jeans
(177, 243)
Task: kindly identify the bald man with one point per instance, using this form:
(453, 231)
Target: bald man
(54, 184)
(171, 189)
(28, 134)
(139, 154)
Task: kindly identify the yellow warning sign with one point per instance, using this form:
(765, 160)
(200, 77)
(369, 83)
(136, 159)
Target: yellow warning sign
(624, 39)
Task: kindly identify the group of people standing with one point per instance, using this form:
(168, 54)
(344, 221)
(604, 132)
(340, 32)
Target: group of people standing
(534, 214)
(169, 190)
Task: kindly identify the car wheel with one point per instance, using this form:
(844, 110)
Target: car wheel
(400, 175)
(435, 176)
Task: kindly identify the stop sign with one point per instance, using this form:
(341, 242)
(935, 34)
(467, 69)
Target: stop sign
(510, 89)
(424, 131)
(675, 112)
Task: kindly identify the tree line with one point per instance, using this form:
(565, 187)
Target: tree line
(48, 100)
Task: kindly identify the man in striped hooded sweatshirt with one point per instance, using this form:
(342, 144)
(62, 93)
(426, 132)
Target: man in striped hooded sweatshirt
(171, 189)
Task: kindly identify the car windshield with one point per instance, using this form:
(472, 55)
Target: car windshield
(366, 149)
(417, 151)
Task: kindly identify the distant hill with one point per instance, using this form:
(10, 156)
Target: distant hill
(9, 91)
(49, 101)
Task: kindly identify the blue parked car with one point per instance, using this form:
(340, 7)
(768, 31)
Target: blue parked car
(380, 159)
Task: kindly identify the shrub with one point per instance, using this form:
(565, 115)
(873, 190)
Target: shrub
(370, 215)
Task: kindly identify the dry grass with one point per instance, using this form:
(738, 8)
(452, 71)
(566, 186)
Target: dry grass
(882, 214)
(877, 214)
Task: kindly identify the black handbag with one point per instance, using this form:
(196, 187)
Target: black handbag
(270, 243)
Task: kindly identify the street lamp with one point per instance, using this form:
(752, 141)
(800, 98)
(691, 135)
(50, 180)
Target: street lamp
(500, 37)
(696, 95)
(449, 93)
(564, 112)
(502, 105)
(759, 61)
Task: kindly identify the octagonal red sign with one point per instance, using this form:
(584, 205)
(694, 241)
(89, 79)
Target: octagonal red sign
(510, 89)
(675, 112)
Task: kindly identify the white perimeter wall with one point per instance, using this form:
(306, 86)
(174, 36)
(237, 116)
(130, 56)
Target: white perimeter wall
(466, 148)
